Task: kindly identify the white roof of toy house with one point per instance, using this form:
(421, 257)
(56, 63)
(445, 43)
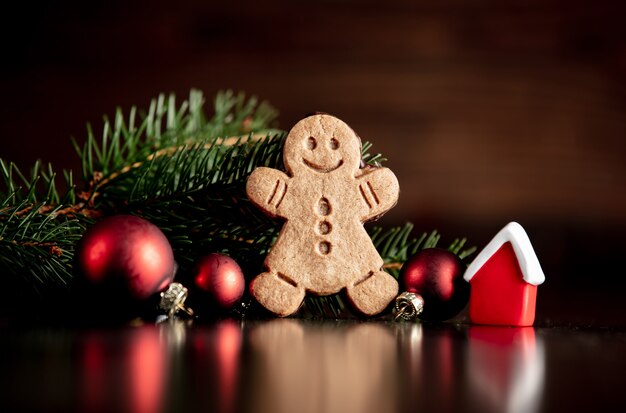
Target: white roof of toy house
(526, 257)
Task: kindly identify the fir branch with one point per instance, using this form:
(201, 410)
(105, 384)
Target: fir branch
(36, 249)
(40, 227)
(37, 230)
(371, 159)
(181, 170)
(197, 196)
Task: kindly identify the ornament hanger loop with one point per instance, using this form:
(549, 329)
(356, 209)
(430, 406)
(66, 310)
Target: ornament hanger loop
(173, 300)
(408, 306)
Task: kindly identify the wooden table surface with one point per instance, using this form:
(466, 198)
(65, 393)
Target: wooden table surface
(293, 365)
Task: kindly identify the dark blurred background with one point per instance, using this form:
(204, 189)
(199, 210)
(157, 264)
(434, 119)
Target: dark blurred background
(489, 111)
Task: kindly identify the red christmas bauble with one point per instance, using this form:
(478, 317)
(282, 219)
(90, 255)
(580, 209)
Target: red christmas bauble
(437, 275)
(221, 278)
(127, 257)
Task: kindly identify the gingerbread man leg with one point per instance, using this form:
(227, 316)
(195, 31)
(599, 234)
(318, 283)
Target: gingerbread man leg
(277, 292)
(373, 294)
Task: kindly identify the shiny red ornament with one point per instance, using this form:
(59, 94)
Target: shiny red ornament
(221, 278)
(437, 276)
(126, 258)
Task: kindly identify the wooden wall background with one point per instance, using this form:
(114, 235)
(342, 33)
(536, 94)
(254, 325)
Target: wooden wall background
(489, 111)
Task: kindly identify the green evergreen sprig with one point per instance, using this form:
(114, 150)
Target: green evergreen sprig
(181, 169)
(37, 230)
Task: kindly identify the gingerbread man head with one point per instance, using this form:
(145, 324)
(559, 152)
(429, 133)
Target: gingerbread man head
(322, 144)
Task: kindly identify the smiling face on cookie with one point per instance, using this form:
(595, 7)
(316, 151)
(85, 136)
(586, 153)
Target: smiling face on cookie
(322, 144)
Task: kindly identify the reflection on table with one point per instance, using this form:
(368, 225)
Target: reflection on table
(506, 368)
(323, 367)
(281, 365)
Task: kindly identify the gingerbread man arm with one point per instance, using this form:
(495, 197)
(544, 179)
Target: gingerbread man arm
(267, 188)
(379, 190)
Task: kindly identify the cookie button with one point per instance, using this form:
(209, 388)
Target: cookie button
(324, 247)
(324, 227)
(323, 207)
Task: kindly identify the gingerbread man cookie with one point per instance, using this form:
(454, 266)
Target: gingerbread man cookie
(325, 198)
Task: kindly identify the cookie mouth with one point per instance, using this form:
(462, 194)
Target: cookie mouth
(322, 169)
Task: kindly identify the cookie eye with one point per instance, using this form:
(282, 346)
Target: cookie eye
(311, 143)
(334, 144)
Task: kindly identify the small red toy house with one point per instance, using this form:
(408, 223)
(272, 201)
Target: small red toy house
(504, 279)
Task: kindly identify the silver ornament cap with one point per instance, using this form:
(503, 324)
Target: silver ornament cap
(173, 300)
(408, 306)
